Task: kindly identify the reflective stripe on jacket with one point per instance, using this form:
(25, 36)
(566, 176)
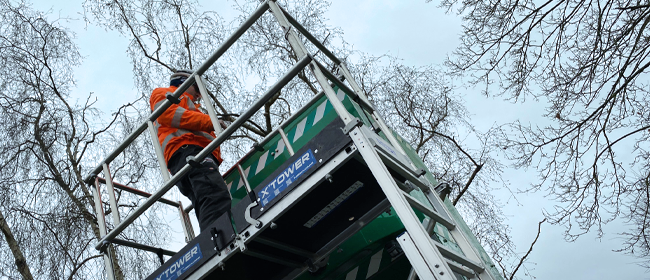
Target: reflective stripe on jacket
(181, 124)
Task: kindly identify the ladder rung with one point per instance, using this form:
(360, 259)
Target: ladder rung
(396, 164)
(448, 253)
(428, 211)
(392, 156)
(461, 270)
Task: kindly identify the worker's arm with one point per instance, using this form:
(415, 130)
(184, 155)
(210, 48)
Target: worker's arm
(178, 117)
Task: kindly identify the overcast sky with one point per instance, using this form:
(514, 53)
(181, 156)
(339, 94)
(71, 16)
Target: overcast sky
(421, 34)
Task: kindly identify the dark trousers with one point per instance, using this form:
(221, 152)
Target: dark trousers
(203, 185)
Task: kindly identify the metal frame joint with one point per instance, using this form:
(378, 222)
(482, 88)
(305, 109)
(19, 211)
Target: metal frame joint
(443, 190)
(355, 122)
(90, 179)
(258, 147)
(191, 160)
(104, 247)
(173, 99)
(409, 187)
(161, 256)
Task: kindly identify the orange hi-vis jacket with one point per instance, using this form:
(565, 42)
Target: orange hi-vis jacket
(181, 124)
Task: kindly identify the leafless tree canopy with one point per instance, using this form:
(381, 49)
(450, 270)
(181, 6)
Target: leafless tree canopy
(168, 35)
(588, 61)
(50, 137)
(56, 135)
(425, 108)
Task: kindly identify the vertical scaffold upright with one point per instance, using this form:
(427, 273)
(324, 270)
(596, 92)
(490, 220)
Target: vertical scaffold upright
(328, 191)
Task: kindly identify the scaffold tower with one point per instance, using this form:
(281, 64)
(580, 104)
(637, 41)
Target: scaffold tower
(331, 193)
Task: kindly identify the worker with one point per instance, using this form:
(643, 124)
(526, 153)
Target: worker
(183, 131)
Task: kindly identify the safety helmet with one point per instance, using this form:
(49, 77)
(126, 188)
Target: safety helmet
(179, 77)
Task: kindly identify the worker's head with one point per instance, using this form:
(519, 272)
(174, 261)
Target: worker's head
(179, 77)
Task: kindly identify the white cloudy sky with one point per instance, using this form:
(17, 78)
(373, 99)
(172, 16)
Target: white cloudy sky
(421, 34)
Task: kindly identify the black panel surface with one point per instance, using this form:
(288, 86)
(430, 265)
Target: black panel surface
(292, 228)
(225, 235)
(324, 145)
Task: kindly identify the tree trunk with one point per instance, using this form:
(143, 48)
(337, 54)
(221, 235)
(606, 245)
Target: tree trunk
(21, 263)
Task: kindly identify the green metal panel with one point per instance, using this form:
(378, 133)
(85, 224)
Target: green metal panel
(370, 241)
(259, 165)
(372, 238)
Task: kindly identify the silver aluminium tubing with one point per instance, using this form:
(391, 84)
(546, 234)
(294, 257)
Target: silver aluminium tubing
(111, 194)
(213, 115)
(208, 149)
(184, 86)
(159, 152)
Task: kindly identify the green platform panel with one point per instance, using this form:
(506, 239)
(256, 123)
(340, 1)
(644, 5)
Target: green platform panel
(370, 253)
(257, 165)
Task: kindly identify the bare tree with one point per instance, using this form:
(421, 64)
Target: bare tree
(169, 35)
(21, 263)
(424, 108)
(49, 136)
(588, 61)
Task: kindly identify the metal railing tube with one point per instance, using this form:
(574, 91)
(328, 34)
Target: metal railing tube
(310, 37)
(143, 247)
(345, 88)
(208, 149)
(208, 106)
(111, 194)
(231, 40)
(147, 203)
(287, 144)
(137, 192)
(188, 208)
(164, 171)
(255, 107)
(204, 67)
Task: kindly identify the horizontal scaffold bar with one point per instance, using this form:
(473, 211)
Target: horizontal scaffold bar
(138, 192)
(184, 86)
(143, 247)
(209, 148)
